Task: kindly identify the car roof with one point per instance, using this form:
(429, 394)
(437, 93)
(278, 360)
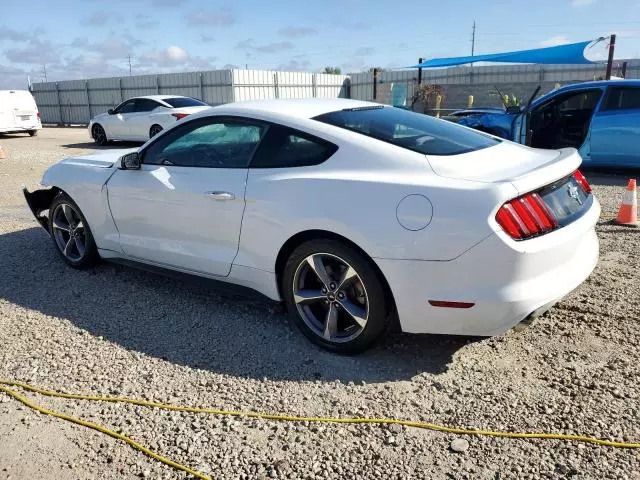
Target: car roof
(601, 83)
(159, 97)
(300, 108)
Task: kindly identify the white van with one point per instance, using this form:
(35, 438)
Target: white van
(18, 112)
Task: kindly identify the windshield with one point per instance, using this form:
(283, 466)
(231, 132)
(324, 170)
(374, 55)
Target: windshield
(179, 102)
(410, 130)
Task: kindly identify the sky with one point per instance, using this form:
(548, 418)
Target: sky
(77, 39)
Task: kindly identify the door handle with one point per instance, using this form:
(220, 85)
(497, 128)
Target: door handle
(220, 195)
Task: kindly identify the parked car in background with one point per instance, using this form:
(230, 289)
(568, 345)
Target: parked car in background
(469, 112)
(350, 212)
(140, 118)
(19, 112)
(601, 119)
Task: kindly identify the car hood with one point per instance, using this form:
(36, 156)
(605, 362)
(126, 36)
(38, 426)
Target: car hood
(102, 159)
(99, 117)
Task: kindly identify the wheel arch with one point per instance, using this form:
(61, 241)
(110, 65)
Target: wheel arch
(301, 237)
(40, 201)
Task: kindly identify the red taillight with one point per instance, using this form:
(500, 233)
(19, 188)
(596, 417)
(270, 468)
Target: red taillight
(526, 217)
(38, 115)
(580, 178)
(180, 115)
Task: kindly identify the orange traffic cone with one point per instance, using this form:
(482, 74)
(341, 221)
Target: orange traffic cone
(3, 154)
(628, 213)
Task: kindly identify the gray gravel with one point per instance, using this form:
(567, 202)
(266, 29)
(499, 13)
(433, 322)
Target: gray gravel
(119, 331)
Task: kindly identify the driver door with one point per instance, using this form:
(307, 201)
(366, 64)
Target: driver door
(117, 128)
(183, 208)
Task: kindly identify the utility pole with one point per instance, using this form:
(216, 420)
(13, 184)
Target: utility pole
(129, 57)
(473, 38)
(612, 46)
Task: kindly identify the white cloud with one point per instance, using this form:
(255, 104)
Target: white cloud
(170, 56)
(294, 32)
(554, 41)
(581, 3)
(250, 45)
(177, 54)
(295, 65)
(216, 18)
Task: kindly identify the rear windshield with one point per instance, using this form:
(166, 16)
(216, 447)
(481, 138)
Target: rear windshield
(414, 131)
(179, 102)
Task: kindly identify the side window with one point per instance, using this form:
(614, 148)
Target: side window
(206, 143)
(623, 99)
(127, 107)
(285, 147)
(145, 105)
(581, 101)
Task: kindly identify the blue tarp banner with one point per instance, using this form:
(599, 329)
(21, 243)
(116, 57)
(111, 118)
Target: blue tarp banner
(572, 53)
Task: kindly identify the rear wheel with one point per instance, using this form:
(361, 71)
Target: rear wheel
(71, 234)
(33, 133)
(154, 130)
(99, 135)
(334, 296)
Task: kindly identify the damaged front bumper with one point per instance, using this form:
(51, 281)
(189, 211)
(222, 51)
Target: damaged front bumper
(39, 202)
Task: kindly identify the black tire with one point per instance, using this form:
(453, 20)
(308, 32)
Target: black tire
(33, 133)
(99, 135)
(154, 130)
(368, 281)
(81, 259)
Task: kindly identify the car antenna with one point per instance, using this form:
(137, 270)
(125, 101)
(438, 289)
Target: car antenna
(533, 96)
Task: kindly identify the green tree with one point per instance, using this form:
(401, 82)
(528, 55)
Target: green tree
(332, 70)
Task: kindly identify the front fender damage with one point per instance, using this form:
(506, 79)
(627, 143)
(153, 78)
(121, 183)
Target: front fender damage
(39, 202)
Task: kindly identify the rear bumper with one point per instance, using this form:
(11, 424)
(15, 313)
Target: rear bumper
(506, 281)
(21, 128)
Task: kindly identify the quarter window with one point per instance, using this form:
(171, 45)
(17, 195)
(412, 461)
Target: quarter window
(206, 143)
(406, 129)
(623, 99)
(285, 147)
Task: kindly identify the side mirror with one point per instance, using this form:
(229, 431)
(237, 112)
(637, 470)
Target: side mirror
(110, 111)
(130, 161)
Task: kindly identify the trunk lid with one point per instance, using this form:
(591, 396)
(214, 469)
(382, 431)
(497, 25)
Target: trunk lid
(527, 169)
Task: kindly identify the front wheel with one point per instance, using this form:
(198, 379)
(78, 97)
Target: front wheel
(335, 296)
(33, 133)
(99, 135)
(71, 234)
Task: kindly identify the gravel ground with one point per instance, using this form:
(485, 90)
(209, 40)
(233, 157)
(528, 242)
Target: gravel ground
(119, 331)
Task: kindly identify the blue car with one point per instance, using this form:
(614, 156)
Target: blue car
(601, 119)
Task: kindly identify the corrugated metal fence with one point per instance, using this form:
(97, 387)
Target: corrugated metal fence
(76, 101)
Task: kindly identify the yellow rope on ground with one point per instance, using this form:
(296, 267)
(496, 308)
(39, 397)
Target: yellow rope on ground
(94, 426)
(266, 416)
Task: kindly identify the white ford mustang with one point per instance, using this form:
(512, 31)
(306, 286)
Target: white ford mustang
(140, 118)
(353, 213)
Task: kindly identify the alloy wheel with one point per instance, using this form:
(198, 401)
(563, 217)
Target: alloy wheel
(330, 297)
(99, 135)
(69, 232)
(154, 131)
